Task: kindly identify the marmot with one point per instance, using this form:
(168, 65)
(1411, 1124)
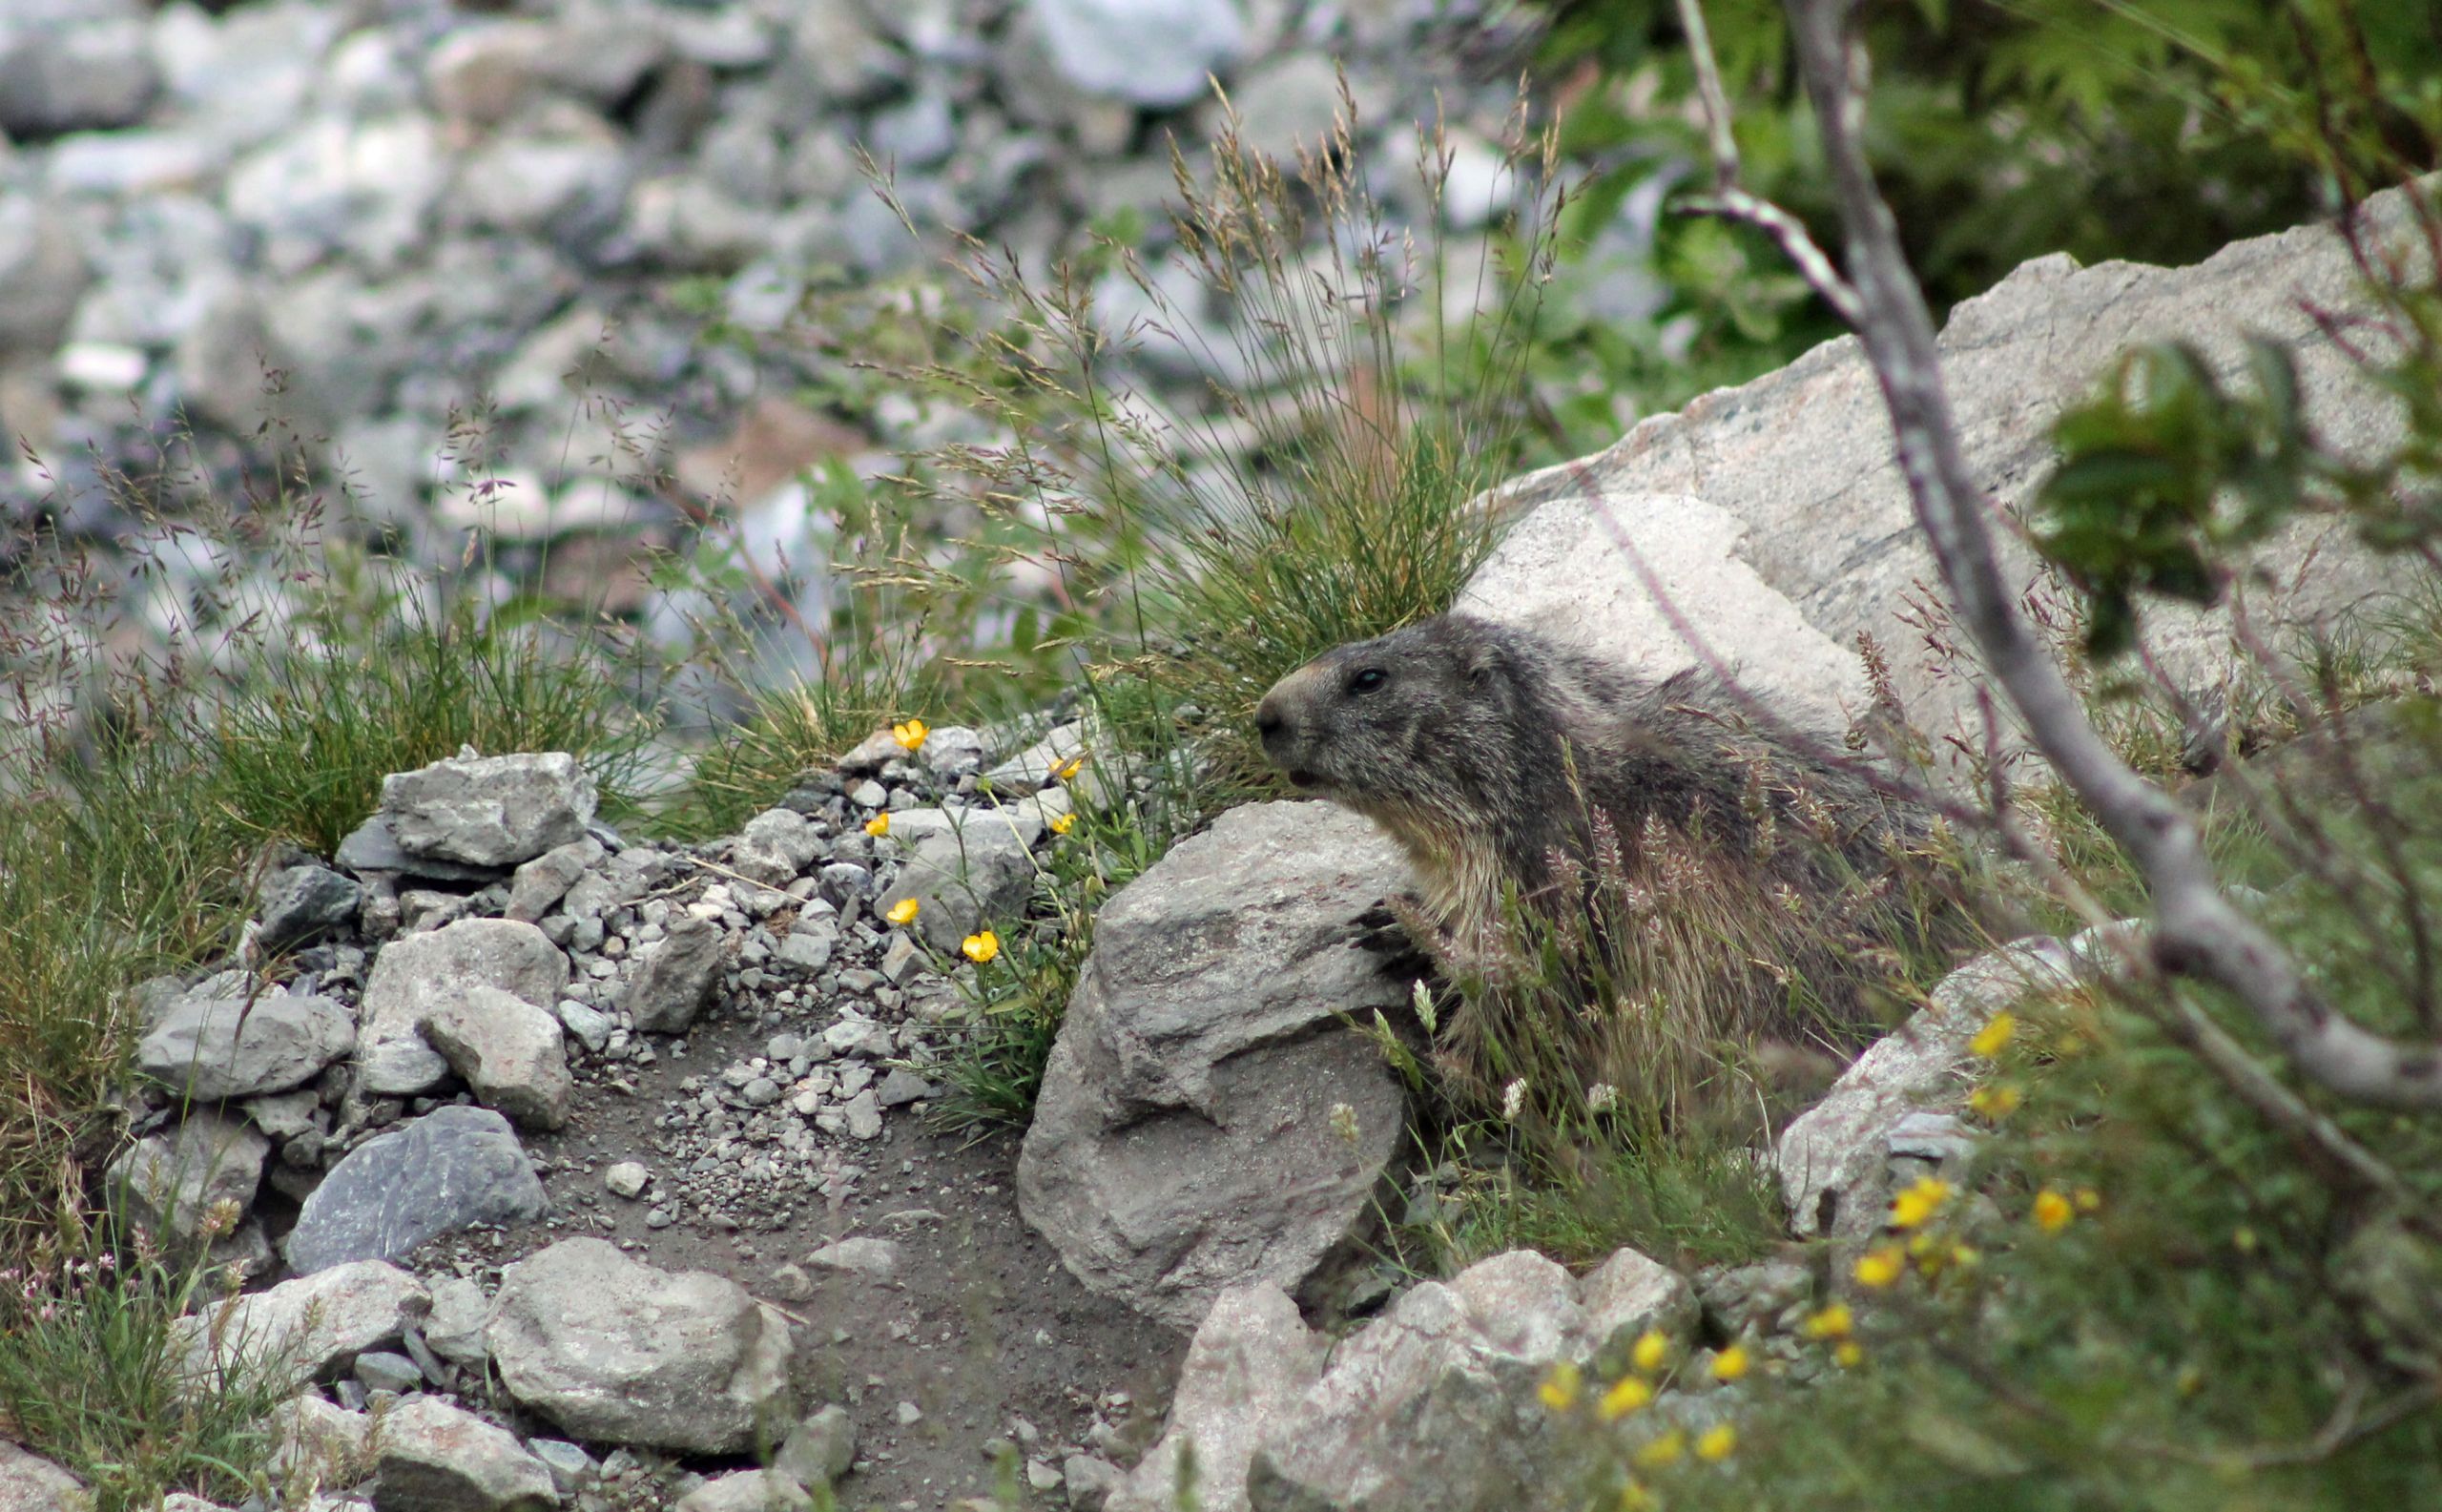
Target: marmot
(1501, 760)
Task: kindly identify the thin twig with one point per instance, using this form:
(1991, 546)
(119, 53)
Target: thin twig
(1730, 201)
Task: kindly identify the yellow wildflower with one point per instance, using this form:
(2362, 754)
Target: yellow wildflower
(2088, 1200)
(1635, 1498)
(1628, 1394)
(1848, 1355)
(1661, 1451)
(1066, 771)
(1880, 1268)
(877, 826)
(1911, 1208)
(1993, 1104)
(1651, 1350)
(911, 734)
(1994, 1037)
(1063, 823)
(903, 912)
(979, 948)
(1731, 1363)
(1561, 1387)
(1836, 1322)
(1717, 1444)
(2053, 1210)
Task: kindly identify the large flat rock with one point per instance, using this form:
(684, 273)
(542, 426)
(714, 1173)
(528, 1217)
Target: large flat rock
(1773, 523)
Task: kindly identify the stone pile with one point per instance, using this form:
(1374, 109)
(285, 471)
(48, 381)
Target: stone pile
(474, 959)
(351, 222)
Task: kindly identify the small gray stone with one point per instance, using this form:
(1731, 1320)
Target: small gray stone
(543, 881)
(902, 1087)
(908, 1414)
(381, 1370)
(510, 1051)
(843, 881)
(301, 904)
(34, 1484)
(870, 755)
(592, 1026)
(572, 1469)
(675, 978)
(285, 1115)
(877, 1258)
(1090, 1481)
(627, 1179)
(869, 795)
(96, 77)
(774, 847)
(370, 849)
(748, 1491)
(455, 1328)
(819, 1449)
(863, 1113)
(900, 961)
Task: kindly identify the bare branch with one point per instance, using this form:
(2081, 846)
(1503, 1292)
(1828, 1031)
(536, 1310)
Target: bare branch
(1731, 202)
(2197, 931)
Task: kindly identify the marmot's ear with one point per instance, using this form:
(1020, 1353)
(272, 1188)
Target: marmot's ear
(1483, 662)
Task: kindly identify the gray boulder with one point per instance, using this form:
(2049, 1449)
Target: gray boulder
(195, 1179)
(489, 810)
(510, 1051)
(1436, 1402)
(612, 1349)
(1775, 519)
(452, 1168)
(1433, 1404)
(415, 975)
(208, 1048)
(676, 977)
(432, 1457)
(1189, 1134)
(315, 1325)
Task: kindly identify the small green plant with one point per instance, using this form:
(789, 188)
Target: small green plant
(96, 1374)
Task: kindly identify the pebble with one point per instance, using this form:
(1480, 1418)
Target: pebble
(627, 1179)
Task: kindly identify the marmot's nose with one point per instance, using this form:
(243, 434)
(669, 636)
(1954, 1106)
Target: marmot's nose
(1267, 721)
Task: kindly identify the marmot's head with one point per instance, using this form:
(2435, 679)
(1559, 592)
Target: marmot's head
(1421, 718)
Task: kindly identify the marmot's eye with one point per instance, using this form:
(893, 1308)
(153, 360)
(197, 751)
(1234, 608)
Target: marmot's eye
(1367, 680)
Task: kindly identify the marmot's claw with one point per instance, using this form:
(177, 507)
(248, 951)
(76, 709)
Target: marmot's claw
(1379, 930)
